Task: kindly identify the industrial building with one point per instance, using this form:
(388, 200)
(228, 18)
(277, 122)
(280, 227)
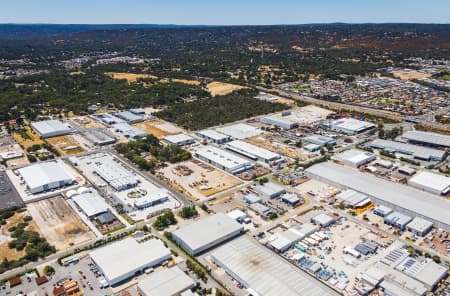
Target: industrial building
(168, 282)
(51, 128)
(223, 159)
(353, 199)
(121, 260)
(99, 137)
(398, 220)
(114, 173)
(270, 190)
(253, 152)
(91, 204)
(431, 182)
(46, 176)
(129, 116)
(207, 233)
(279, 122)
(260, 209)
(291, 199)
(213, 136)
(396, 196)
(129, 131)
(426, 138)
(382, 211)
(417, 152)
(320, 140)
(179, 140)
(108, 118)
(323, 220)
(251, 198)
(263, 273)
(354, 157)
(151, 199)
(237, 215)
(350, 126)
(282, 241)
(240, 131)
(419, 226)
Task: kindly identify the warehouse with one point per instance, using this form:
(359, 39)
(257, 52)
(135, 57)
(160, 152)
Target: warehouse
(355, 158)
(279, 122)
(270, 190)
(179, 140)
(213, 136)
(207, 233)
(419, 226)
(129, 131)
(396, 196)
(259, 270)
(350, 126)
(433, 183)
(151, 199)
(291, 199)
(114, 173)
(418, 152)
(121, 260)
(240, 131)
(398, 220)
(323, 220)
(51, 128)
(99, 137)
(320, 140)
(129, 116)
(260, 209)
(237, 215)
(382, 211)
(253, 152)
(223, 159)
(353, 199)
(168, 282)
(251, 198)
(46, 176)
(427, 138)
(91, 204)
(108, 118)
(282, 241)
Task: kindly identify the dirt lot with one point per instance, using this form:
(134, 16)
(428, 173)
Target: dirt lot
(216, 88)
(292, 152)
(65, 145)
(409, 75)
(87, 122)
(150, 128)
(59, 223)
(197, 179)
(33, 138)
(130, 77)
(185, 81)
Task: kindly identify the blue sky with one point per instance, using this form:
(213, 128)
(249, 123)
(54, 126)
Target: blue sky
(223, 12)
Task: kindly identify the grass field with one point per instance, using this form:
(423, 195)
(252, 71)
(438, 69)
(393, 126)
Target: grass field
(32, 139)
(65, 145)
(217, 88)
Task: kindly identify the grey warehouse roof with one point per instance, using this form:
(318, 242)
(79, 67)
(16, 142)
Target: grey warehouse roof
(50, 127)
(167, 282)
(41, 174)
(397, 195)
(416, 151)
(426, 137)
(264, 272)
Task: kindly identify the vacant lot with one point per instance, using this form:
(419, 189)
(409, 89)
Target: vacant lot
(216, 88)
(129, 77)
(150, 128)
(409, 75)
(28, 139)
(184, 81)
(65, 145)
(59, 223)
(5, 238)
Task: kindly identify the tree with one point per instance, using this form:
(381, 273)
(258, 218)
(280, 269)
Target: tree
(48, 270)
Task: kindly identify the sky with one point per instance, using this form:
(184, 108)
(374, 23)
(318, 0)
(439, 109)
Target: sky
(223, 12)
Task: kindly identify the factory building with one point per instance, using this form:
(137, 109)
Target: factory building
(353, 199)
(282, 241)
(91, 204)
(431, 182)
(270, 190)
(252, 198)
(46, 176)
(129, 116)
(290, 199)
(382, 211)
(207, 233)
(417, 152)
(396, 196)
(51, 128)
(350, 126)
(262, 273)
(355, 158)
(213, 136)
(151, 199)
(240, 131)
(115, 174)
(398, 220)
(179, 140)
(426, 138)
(108, 119)
(223, 159)
(279, 122)
(253, 152)
(260, 209)
(99, 137)
(419, 226)
(320, 140)
(129, 131)
(323, 220)
(121, 260)
(168, 282)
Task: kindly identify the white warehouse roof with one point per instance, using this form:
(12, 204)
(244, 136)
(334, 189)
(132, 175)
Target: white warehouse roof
(353, 198)
(419, 225)
(240, 131)
(168, 282)
(265, 273)
(252, 151)
(350, 125)
(226, 160)
(179, 139)
(400, 197)
(208, 232)
(428, 138)
(50, 128)
(120, 260)
(354, 157)
(212, 134)
(431, 182)
(91, 203)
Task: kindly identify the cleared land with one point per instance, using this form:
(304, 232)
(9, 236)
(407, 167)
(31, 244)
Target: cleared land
(150, 128)
(29, 139)
(264, 141)
(217, 88)
(409, 75)
(59, 223)
(65, 145)
(130, 77)
(184, 81)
